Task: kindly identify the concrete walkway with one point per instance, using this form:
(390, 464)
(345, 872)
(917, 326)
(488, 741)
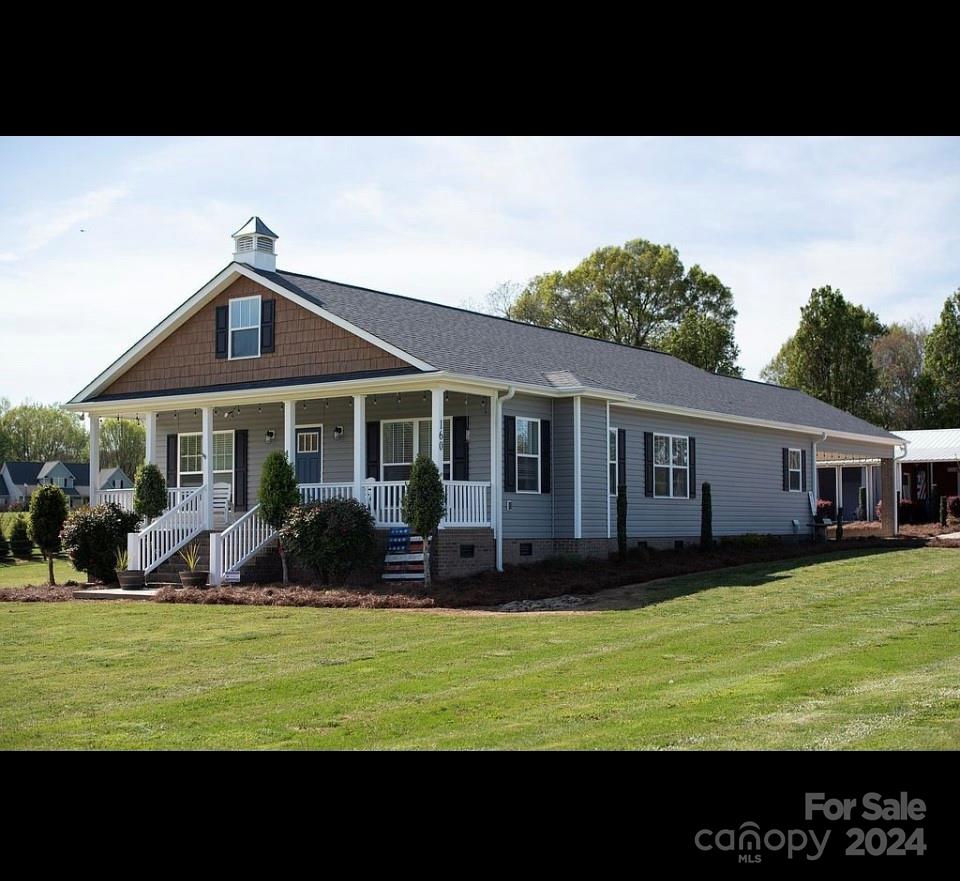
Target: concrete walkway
(114, 593)
(949, 536)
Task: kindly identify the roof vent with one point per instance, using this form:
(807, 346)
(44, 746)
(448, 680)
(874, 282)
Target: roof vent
(255, 244)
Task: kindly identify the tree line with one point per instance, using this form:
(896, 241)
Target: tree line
(32, 432)
(903, 375)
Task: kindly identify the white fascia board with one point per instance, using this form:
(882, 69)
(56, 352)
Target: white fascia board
(211, 289)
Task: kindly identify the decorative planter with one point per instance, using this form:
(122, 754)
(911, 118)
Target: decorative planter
(131, 579)
(193, 579)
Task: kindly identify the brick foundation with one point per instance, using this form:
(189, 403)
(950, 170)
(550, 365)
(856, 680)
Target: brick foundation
(446, 559)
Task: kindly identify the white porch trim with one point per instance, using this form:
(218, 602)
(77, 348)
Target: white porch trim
(577, 473)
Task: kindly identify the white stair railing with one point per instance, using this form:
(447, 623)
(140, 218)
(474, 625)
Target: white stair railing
(168, 533)
(230, 549)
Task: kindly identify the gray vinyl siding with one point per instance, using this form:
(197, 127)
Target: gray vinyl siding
(532, 513)
(743, 464)
(593, 468)
(563, 468)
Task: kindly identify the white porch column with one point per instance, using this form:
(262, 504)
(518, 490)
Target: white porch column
(94, 459)
(436, 427)
(150, 427)
(577, 493)
(290, 431)
(207, 448)
(359, 446)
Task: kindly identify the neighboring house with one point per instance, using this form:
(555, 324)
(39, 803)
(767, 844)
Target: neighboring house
(532, 429)
(929, 468)
(18, 480)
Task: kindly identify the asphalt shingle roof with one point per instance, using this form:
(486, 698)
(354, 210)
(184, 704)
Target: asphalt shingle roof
(483, 345)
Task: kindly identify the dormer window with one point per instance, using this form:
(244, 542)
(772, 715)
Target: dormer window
(245, 328)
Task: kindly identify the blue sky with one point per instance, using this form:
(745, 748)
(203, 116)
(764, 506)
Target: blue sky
(447, 219)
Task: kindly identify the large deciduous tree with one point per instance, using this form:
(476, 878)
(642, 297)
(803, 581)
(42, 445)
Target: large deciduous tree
(943, 361)
(831, 356)
(637, 294)
(903, 394)
(122, 445)
(44, 432)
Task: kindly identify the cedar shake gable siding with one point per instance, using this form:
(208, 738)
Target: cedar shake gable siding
(306, 345)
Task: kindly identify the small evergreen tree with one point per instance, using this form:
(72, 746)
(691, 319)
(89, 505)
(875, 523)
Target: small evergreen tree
(706, 517)
(20, 542)
(278, 496)
(622, 522)
(423, 505)
(149, 492)
(5, 545)
(48, 512)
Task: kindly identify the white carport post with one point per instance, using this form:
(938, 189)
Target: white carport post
(150, 429)
(94, 458)
(359, 446)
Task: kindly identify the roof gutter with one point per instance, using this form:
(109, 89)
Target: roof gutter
(496, 480)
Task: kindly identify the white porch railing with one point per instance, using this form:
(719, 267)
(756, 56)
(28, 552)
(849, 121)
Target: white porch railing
(468, 503)
(168, 533)
(322, 492)
(124, 497)
(230, 549)
(385, 500)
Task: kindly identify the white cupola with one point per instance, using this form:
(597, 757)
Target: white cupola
(255, 243)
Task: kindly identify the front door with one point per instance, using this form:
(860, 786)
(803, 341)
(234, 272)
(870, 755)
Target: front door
(309, 453)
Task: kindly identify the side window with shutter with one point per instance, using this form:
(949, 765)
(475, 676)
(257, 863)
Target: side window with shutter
(268, 311)
(221, 331)
(509, 454)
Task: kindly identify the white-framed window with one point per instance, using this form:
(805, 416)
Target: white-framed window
(794, 470)
(528, 455)
(308, 441)
(190, 453)
(402, 440)
(612, 459)
(671, 464)
(245, 328)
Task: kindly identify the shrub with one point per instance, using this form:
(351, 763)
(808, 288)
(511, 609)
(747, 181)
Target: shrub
(278, 496)
(149, 492)
(48, 511)
(622, 521)
(91, 537)
(4, 547)
(825, 508)
(423, 504)
(943, 511)
(953, 506)
(706, 516)
(20, 543)
(332, 537)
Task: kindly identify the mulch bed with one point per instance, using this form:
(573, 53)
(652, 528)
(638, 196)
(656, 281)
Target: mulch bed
(293, 595)
(38, 594)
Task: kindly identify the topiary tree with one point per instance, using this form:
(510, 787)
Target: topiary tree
(91, 537)
(706, 516)
(622, 522)
(331, 537)
(48, 511)
(20, 542)
(278, 496)
(424, 504)
(149, 492)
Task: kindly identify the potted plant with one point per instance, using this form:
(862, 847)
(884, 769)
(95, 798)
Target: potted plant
(130, 579)
(192, 577)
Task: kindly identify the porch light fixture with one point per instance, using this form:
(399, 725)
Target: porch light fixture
(259, 408)
(337, 432)
(374, 400)
(269, 435)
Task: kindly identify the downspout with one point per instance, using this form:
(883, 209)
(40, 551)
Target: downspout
(497, 479)
(816, 474)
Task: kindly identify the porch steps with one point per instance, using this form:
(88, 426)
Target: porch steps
(168, 572)
(404, 557)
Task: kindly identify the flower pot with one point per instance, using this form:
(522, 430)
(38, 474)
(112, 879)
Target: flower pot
(193, 579)
(131, 579)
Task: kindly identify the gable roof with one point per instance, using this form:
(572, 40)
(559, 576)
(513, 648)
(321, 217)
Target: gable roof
(29, 473)
(497, 348)
(23, 473)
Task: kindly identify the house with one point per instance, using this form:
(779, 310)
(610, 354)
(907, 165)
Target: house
(533, 429)
(18, 480)
(927, 467)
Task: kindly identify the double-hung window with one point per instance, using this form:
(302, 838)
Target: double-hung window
(794, 466)
(245, 328)
(405, 439)
(191, 454)
(612, 459)
(671, 478)
(528, 455)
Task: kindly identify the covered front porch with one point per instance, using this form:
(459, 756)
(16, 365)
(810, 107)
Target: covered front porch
(360, 445)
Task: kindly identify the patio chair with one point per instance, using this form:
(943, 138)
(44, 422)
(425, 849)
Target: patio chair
(221, 503)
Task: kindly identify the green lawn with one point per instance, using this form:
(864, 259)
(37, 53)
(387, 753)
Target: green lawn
(851, 651)
(20, 573)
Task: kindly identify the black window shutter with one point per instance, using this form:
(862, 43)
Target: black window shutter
(460, 454)
(240, 446)
(621, 457)
(373, 450)
(803, 470)
(786, 469)
(544, 455)
(221, 331)
(172, 453)
(268, 310)
(509, 454)
(648, 463)
(692, 460)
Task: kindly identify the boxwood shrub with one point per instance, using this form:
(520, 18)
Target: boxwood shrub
(91, 537)
(332, 538)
